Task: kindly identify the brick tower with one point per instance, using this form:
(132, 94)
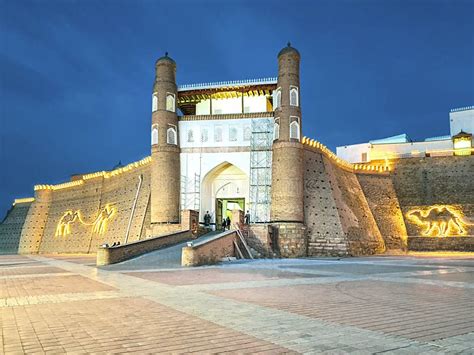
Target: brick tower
(165, 165)
(287, 209)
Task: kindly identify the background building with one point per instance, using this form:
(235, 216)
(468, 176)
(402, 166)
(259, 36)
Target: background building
(459, 141)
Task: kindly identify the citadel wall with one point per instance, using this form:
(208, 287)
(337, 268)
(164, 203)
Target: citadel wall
(421, 183)
(79, 216)
(349, 210)
(338, 218)
(11, 226)
(383, 202)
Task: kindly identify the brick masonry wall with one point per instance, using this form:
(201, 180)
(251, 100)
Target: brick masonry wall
(90, 198)
(211, 251)
(11, 226)
(324, 229)
(424, 182)
(337, 214)
(441, 244)
(258, 238)
(34, 227)
(291, 237)
(383, 202)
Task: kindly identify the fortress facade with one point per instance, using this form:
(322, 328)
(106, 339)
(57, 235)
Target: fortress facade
(238, 146)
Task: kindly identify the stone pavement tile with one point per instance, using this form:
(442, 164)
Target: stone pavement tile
(83, 259)
(15, 257)
(452, 276)
(116, 325)
(30, 271)
(360, 268)
(412, 311)
(20, 287)
(214, 275)
(22, 264)
(301, 332)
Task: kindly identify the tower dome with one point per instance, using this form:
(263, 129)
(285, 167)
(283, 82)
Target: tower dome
(165, 57)
(288, 49)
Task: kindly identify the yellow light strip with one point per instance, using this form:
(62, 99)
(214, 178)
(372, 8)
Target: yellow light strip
(104, 174)
(448, 150)
(64, 185)
(109, 174)
(341, 162)
(23, 200)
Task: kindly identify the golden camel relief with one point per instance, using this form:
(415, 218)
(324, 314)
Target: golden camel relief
(440, 220)
(99, 225)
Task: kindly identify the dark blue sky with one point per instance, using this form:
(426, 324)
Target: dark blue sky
(76, 76)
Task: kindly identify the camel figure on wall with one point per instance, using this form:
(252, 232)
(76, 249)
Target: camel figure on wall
(440, 221)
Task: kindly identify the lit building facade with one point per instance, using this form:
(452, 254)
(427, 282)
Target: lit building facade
(458, 142)
(225, 138)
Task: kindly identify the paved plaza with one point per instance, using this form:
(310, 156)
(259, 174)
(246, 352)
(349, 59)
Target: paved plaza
(389, 304)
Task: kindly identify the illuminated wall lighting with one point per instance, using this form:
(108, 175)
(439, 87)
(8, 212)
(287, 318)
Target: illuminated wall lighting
(99, 225)
(439, 220)
(462, 146)
(311, 143)
(23, 200)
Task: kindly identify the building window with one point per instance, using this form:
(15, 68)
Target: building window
(154, 134)
(171, 135)
(247, 133)
(233, 134)
(190, 136)
(294, 96)
(294, 127)
(204, 135)
(170, 102)
(276, 129)
(364, 157)
(218, 134)
(154, 102)
(277, 98)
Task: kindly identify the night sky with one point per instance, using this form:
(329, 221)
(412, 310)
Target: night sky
(76, 76)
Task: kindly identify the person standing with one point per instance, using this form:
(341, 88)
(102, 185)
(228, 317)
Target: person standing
(228, 223)
(247, 217)
(207, 220)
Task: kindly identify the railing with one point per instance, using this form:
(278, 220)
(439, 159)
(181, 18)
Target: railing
(220, 84)
(107, 255)
(226, 116)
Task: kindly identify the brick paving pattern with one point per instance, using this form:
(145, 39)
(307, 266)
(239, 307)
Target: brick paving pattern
(406, 305)
(34, 286)
(118, 325)
(423, 312)
(16, 271)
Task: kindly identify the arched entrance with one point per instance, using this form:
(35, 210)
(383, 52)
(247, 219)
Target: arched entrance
(224, 188)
